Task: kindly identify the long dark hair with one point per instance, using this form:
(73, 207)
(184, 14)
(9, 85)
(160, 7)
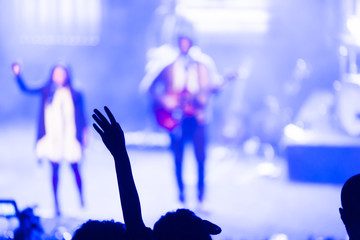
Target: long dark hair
(52, 87)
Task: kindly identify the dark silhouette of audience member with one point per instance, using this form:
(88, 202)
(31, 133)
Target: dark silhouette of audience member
(62, 124)
(184, 225)
(95, 230)
(350, 211)
(30, 227)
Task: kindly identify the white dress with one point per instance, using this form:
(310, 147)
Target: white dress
(60, 142)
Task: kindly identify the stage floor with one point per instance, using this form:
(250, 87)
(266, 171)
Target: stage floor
(248, 196)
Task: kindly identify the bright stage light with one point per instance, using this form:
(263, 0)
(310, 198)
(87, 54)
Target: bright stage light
(343, 51)
(295, 133)
(226, 16)
(58, 22)
(353, 25)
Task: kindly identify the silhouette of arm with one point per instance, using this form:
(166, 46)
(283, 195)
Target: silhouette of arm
(113, 138)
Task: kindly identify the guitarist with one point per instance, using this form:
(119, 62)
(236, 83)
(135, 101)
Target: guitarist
(181, 86)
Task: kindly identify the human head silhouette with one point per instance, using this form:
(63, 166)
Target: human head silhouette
(95, 230)
(184, 225)
(350, 211)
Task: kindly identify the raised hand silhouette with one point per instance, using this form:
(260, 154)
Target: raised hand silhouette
(113, 138)
(110, 132)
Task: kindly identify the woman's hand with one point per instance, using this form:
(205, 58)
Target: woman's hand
(16, 68)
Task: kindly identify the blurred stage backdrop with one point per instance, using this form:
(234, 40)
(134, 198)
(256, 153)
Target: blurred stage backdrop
(296, 97)
(284, 51)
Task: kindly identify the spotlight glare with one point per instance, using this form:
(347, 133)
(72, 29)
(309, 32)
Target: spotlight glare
(343, 51)
(294, 132)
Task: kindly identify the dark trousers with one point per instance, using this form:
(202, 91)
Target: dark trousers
(190, 130)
